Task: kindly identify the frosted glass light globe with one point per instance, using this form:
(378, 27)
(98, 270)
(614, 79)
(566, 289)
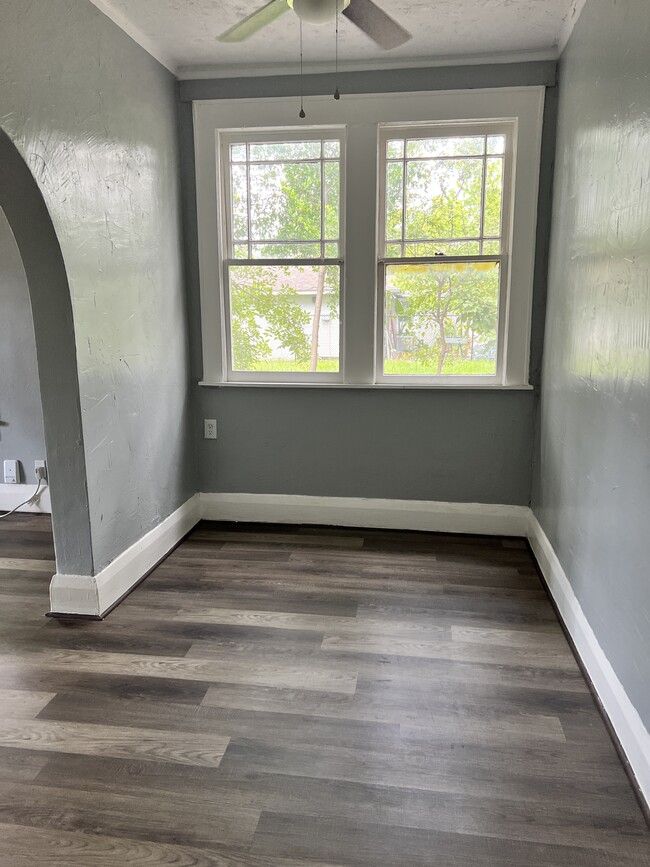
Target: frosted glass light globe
(317, 11)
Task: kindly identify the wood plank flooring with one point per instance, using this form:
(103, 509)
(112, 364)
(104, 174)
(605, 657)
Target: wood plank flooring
(275, 696)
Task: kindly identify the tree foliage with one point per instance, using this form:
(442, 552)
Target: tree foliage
(432, 304)
(258, 295)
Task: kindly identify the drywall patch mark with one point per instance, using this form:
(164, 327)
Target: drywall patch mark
(135, 33)
(569, 22)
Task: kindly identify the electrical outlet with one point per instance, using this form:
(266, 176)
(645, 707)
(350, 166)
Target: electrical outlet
(40, 470)
(209, 428)
(12, 473)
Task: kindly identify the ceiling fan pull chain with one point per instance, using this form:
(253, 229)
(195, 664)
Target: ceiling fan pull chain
(302, 108)
(337, 95)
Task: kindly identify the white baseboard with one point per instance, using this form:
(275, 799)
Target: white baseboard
(94, 594)
(624, 717)
(13, 495)
(482, 518)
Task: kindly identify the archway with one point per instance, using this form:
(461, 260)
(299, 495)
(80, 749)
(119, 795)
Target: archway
(30, 222)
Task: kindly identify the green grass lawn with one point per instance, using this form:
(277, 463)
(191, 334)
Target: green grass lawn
(396, 367)
(452, 367)
(324, 366)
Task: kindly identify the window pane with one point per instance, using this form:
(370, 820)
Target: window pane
(239, 195)
(332, 251)
(393, 250)
(449, 146)
(285, 201)
(496, 144)
(332, 149)
(331, 203)
(443, 199)
(279, 250)
(491, 248)
(395, 148)
(286, 150)
(240, 251)
(284, 207)
(272, 312)
(493, 196)
(238, 153)
(440, 319)
(394, 200)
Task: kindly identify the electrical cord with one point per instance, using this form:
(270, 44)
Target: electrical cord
(28, 500)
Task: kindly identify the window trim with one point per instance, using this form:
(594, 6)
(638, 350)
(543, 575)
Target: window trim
(362, 115)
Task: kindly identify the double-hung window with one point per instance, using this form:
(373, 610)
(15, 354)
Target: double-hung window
(386, 240)
(444, 243)
(282, 254)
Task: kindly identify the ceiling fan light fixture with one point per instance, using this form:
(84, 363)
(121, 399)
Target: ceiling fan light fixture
(318, 11)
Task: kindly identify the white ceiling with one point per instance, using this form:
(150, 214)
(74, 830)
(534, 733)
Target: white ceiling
(183, 34)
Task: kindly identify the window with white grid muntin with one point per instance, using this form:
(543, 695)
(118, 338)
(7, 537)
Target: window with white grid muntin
(283, 260)
(443, 251)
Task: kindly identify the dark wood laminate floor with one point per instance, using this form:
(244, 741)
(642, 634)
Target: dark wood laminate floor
(284, 696)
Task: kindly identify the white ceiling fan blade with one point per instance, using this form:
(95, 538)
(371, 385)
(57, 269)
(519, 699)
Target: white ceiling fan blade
(256, 21)
(376, 24)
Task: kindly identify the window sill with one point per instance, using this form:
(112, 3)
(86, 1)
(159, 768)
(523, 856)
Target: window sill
(369, 386)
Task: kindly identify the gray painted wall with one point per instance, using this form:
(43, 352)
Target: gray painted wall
(592, 475)
(21, 417)
(403, 80)
(458, 446)
(462, 446)
(95, 118)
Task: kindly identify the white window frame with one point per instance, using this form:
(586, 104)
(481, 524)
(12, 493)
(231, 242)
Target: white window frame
(362, 116)
(389, 131)
(225, 138)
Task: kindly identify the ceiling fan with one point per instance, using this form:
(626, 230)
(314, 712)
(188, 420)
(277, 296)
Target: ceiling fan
(367, 16)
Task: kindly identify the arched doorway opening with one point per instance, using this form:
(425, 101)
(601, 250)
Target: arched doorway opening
(27, 215)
